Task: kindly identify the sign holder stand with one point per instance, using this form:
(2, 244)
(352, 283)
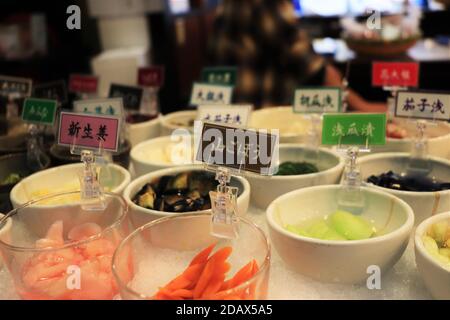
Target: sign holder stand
(34, 150)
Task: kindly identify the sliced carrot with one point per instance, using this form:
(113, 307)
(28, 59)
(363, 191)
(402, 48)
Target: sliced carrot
(183, 293)
(202, 257)
(241, 276)
(179, 282)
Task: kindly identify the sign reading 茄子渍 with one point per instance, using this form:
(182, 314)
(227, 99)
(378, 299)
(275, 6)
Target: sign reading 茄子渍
(237, 148)
(317, 100)
(205, 93)
(55, 90)
(11, 85)
(395, 74)
(219, 75)
(423, 105)
(39, 111)
(131, 95)
(234, 115)
(89, 131)
(354, 129)
(109, 107)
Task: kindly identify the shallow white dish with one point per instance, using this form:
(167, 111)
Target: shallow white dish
(140, 216)
(177, 120)
(5, 233)
(435, 276)
(55, 180)
(265, 189)
(139, 132)
(424, 204)
(161, 153)
(339, 261)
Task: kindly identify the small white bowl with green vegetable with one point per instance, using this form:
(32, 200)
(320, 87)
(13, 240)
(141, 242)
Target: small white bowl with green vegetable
(432, 247)
(296, 158)
(316, 239)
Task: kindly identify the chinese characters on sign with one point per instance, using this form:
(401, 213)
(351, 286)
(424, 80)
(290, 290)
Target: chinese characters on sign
(52, 90)
(317, 100)
(395, 74)
(83, 83)
(39, 111)
(203, 93)
(354, 129)
(20, 86)
(110, 107)
(423, 105)
(234, 115)
(89, 131)
(151, 76)
(131, 95)
(219, 75)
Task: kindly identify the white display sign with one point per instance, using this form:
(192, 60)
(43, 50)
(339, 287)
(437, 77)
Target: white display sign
(423, 105)
(110, 107)
(203, 93)
(317, 100)
(234, 115)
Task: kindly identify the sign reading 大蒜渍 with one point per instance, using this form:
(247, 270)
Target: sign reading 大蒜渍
(423, 105)
(234, 115)
(205, 93)
(152, 76)
(354, 129)
(219, 75)
(317, 100)
(89, 131)
(39, 111)
(110, 106)
(238, 149)
(11, 85)
(55, 90)
(131, 95)
(395, 74)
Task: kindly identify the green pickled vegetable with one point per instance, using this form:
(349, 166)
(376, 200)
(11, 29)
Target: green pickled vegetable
(296, 168)
(13, 178)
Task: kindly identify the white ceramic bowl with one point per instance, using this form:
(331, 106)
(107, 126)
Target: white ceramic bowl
(139, 132)
(177, 120)
(156, 154)
(293, 127)
(64, 178)
(435, 276)
(438, 141)
(5, 233)
(424, 204)
(339, 261)
(266, 189)
(140, 216)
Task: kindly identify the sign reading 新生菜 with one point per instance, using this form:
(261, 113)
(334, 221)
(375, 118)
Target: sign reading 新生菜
(219, 75)
(89, 131)
(204, 93)
(152, 76)
(423, 105)
(234, 115)
(110, 106)
(317, 100)
(131, 95)
(80, 83)
(55, 90)
(39, 111)
(10, 85)
(395, 74)
(354, 129)
(238, 148)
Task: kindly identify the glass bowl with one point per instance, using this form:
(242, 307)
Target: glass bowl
(64, 252)
(162, 249)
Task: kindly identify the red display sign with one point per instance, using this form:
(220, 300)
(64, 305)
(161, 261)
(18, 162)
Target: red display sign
(83, 83)
(151, 76)
(401, 74)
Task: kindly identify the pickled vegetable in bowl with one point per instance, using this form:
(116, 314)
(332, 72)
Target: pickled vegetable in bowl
(405, 182)
(437, 242)
(290, 168)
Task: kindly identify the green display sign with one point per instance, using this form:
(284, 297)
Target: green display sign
(220, 75)
(39, 111)
(354, 129)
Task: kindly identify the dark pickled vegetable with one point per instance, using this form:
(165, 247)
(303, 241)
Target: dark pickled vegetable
(296, 168)
(183, 192)
(139, 117)
(417, 183)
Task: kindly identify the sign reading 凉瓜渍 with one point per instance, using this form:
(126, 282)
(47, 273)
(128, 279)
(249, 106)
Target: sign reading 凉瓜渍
(89, 131)
(317, 100)
(39, 111)
(234, 115)
(205, 93)
(109, 107)
(423, 105)
(237, 148)
(354, 129)
(220, 75)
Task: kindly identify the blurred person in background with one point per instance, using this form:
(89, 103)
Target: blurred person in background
(274, 57)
